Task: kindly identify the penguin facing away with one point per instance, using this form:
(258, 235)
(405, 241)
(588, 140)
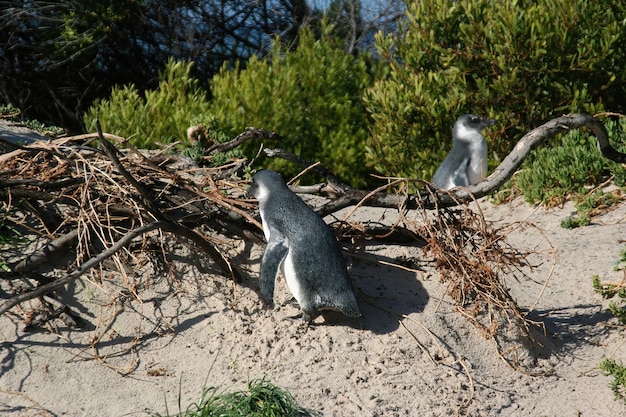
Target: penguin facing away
(466, 164)
(302, 246)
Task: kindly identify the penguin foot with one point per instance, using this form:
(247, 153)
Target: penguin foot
(294, 318)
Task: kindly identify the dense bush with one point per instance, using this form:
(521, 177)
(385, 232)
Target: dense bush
(310, 95)
(521, 62)
(158, 116)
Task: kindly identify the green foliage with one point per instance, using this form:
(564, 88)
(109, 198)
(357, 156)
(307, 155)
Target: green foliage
(9, 110)
(608, 290)
(43, 128)
(160, 116)
(520, 62)
(58, 56)
(610, 367)
(589, 205)
(212, 134)
(8, 233)
(550, 174)
(310, 95)
(263, 399)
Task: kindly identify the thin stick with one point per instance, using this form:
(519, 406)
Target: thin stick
(369, 195)
(304, 171)
(95, 261)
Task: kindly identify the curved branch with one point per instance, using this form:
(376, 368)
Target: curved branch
(540, 135)
(441, 198)
(125, 240)
(319, 169)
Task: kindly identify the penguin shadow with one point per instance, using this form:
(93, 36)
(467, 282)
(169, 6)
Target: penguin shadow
(386, 293)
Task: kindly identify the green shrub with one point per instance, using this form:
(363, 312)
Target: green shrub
(550, 174)
(156, 116)
(610, 367)
(520, 62)
(310, 95)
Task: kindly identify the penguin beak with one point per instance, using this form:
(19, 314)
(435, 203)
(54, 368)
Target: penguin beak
(489, 122)
(249, 194)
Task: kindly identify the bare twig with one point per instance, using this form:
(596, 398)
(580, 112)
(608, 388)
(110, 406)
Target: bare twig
(333, 180)
(96, 260)
(250, 133)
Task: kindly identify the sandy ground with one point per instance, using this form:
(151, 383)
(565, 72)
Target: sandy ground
(412, 354)
(202, 331)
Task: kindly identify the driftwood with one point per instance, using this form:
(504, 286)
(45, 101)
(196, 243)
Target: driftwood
(121, 197)
(433, 198)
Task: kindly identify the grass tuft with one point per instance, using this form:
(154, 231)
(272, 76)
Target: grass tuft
(262, 399)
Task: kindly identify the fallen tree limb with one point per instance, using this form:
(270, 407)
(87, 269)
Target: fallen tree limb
(151, 205)
(443, 198)
(111, 151)
(49, 251)
(94, 261)
(113, 249)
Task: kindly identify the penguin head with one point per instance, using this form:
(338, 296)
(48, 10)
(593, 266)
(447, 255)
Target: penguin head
(265, 181)
(469, 126)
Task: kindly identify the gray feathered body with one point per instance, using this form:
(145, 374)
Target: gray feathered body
(466, 164)
(302, 245)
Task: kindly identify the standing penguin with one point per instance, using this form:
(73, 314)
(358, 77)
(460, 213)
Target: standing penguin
(301, 244)
(466, 164)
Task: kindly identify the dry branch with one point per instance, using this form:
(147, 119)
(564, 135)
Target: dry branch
(250, 133)
(105, 200)
(96, 199)
(96, 260)
(431, 200)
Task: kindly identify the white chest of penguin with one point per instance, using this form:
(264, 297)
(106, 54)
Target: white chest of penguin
(289, 272)
(477, 167)
(286, 267)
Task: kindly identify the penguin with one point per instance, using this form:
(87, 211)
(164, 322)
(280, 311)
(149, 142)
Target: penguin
(466, 164)
(302, 246)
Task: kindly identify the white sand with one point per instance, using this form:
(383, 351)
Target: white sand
(204, 332)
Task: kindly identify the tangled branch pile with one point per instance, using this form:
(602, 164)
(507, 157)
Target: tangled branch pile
(475, 260)
(90, 204)
(94, 203)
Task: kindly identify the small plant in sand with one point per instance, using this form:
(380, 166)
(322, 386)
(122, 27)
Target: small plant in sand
(610, 366)
(591, 205)
(8, 233)
(262, 399)
(9, 111)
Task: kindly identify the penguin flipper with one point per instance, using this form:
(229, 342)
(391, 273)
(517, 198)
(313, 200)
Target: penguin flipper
(275, 253)
(459, 176)
(452, 172)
